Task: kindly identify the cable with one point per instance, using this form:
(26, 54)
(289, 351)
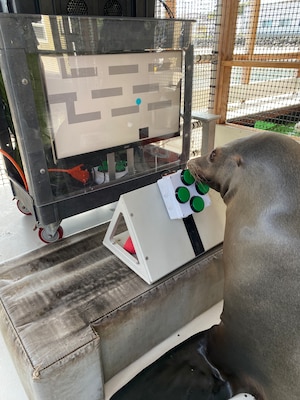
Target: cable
(15, 164)
(79, 173)
(167, 8)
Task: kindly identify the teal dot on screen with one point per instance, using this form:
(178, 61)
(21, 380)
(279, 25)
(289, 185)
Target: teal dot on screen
(138, 101)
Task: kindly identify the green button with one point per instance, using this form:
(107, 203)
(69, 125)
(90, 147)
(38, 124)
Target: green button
(186, 177)
(121, 166)
(197, 204)
(182, 194)
(103, 167)
(202, 188)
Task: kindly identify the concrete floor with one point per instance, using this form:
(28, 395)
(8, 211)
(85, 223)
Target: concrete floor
(17, 237)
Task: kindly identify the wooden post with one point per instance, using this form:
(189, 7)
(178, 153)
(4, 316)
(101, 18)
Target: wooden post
(250, 43)
(225, 53)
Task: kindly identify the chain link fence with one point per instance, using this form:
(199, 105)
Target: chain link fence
(206, 30)
(260, 95)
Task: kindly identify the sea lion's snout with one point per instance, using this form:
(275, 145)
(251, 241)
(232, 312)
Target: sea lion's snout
(195, 170)
(198, 168)
(210, 169)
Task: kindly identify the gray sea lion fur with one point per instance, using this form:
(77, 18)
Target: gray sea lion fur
(257, 343)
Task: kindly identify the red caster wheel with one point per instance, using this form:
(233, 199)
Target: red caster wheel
(22, 208)
(46, 238)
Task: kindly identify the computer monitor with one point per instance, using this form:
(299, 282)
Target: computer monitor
(112, 101)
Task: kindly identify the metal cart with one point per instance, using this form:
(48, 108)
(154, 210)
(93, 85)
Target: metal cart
(91, 109)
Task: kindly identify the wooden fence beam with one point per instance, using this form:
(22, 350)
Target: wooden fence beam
(225, 53)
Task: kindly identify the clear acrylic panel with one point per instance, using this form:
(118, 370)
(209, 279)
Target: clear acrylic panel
(95, 101)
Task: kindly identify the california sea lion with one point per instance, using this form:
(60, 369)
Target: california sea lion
(257, 344)
(256, 347)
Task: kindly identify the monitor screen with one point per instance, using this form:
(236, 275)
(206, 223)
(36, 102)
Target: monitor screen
(110, 101)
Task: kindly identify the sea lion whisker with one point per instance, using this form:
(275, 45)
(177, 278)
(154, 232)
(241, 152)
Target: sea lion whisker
(199, 177)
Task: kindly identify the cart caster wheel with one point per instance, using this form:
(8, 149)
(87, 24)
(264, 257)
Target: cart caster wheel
(46, 238)
(22, 208)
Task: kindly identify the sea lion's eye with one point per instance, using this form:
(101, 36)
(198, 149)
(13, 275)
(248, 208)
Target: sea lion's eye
(212, 155)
